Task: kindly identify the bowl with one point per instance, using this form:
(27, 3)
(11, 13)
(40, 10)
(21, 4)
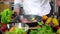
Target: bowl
(27, 19)
(18, 25)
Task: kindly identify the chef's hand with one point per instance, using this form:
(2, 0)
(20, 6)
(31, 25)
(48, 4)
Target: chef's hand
(16, 11)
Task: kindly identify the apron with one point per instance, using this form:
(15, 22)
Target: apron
(35, 7)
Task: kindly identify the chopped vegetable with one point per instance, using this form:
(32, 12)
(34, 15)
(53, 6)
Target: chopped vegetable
(12, 29)
(16, 31)
(42, 30)
(33, 18)
(40, 23)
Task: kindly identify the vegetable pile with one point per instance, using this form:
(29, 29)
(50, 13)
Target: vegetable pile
(53, 22)
(14, 30)
(5, 16)
(43, 30)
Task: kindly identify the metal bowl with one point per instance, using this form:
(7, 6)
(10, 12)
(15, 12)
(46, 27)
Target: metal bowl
(29, 17)
(18, 25)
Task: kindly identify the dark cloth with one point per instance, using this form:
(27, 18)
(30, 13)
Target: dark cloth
(51, 11)
(59, 10)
